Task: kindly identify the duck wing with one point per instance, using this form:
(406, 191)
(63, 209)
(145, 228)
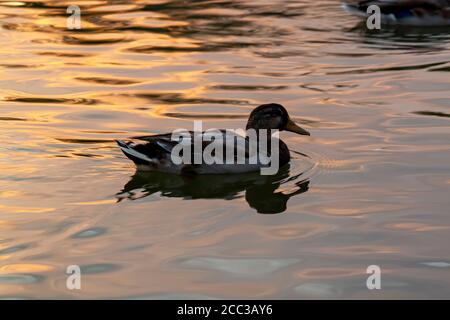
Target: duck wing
(166, 142)
(156, 152)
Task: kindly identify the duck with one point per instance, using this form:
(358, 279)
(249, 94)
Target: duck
(405, 12)
(153, 152)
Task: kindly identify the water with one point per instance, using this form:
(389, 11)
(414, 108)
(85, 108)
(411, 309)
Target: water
(370, 186)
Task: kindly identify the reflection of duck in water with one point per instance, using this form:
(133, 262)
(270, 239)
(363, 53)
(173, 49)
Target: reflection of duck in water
(260, 191)
(405, 12)
(156, 153)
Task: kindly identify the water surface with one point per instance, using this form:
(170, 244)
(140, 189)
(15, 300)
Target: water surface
(370, 186)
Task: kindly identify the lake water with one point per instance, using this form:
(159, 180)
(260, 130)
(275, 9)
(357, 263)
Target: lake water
(371, 186)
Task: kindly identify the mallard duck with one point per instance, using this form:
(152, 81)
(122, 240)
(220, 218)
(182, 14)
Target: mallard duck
(405, 12)
(155, 153)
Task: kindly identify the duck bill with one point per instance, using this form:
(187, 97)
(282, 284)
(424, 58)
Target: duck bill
(292, 127)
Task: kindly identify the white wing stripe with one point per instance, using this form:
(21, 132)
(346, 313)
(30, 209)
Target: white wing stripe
(136, 154)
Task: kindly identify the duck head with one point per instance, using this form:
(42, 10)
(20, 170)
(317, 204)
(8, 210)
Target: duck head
(273, 116)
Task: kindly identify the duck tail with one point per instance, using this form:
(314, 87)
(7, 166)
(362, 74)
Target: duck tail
(122, 144)
(131, 153)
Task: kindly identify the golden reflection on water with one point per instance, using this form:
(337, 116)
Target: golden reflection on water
(370, 186)
(24, 268)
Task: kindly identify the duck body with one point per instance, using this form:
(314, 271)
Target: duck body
(155, 152)
(405, 12)
(156, 155)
